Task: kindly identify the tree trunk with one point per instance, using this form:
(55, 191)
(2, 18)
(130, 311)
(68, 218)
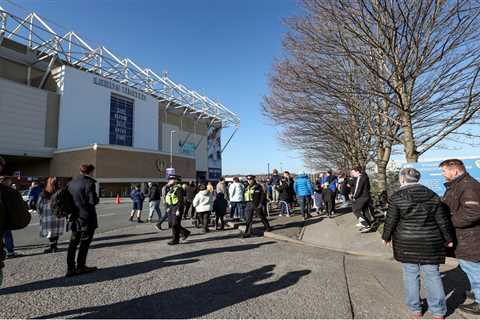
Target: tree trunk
(409, 146)
(382, 163)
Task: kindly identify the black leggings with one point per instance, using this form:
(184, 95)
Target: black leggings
(219, 218)
(53, 241)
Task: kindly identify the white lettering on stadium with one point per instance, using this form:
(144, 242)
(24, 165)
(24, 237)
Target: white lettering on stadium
(119, 88)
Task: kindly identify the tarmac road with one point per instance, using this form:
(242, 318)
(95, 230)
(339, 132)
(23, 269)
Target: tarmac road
(214, 275)
(110, 217)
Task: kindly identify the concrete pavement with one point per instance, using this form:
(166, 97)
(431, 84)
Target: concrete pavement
(384, 279)
(214, 275)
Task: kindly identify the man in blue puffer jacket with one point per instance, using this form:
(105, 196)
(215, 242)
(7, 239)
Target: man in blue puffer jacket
(303, 189)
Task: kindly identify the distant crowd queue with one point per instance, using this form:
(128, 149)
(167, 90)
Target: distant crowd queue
(422, 226)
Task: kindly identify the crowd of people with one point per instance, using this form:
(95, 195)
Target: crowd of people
(421, 226)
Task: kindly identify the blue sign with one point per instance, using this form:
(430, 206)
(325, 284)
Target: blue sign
(121, 121)
(188, 149)
(432, 175)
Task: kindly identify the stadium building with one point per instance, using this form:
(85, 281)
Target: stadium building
(64, 102)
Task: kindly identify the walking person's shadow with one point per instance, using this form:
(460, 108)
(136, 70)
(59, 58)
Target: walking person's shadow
(193, 301)
(127, 270)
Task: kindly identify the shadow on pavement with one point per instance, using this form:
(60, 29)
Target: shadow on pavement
(193, 301)
(297, 224)
(455, 283)
(216, 238)
(128, 270)
(121, 236)
(126, 242)
(343, 210)
(97, 245)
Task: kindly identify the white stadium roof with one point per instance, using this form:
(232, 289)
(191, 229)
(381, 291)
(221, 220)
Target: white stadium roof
(49, 48)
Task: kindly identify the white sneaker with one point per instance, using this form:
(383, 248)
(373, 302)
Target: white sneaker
(280, 215)
(359, 225)
(365, 229)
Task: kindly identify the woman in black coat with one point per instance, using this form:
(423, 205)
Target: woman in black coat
(417, 222)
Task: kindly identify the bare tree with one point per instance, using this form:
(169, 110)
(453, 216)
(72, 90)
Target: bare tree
(430, 54)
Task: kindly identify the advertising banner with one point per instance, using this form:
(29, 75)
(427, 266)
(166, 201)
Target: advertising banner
(214, 147)
(121, 121)
(432, 174)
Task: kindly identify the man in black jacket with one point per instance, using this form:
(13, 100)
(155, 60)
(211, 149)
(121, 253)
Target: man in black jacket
(83, 222)
(254, 197)
(275, 182)
(14, 214)
(362, 201)
(190, 192)
(154, 201)
(418, 223)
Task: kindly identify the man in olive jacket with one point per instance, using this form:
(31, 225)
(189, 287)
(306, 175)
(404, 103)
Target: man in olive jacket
(254, 197)
(462, 196)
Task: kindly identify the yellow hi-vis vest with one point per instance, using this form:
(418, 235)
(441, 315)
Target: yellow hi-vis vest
(249, 193)
(171, 198)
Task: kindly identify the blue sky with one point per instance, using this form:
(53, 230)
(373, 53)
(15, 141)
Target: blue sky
(221, 48)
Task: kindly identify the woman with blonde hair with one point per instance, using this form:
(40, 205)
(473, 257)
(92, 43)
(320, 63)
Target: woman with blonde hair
(52, 227)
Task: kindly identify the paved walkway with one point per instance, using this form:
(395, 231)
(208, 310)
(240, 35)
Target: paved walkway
(214, 275)
(340, 234)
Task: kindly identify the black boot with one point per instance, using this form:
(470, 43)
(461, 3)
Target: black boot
(186, 235)
(472, 308)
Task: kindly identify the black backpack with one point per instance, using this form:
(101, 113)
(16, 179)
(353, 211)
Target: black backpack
(14, 214)
(62, 203)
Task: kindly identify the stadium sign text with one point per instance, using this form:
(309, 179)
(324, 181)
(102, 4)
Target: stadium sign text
(119, 88)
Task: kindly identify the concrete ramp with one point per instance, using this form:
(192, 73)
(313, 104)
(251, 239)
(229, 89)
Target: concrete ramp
(341, 234)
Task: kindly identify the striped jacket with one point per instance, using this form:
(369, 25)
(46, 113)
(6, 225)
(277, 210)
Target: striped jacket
(418, 223)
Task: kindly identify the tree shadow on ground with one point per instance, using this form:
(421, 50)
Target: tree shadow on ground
(127, 270)
(455, 284)
(193, 301)
(298, 224)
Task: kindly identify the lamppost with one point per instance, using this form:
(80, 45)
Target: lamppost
(281, 166)
(268, 169)
(171, 147)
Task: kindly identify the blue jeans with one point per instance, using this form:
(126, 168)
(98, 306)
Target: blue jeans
(154, 206)
(235, 209)
(8, 240)
(437, 304)
(472, 269)
(241, 210)
(284, 208)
